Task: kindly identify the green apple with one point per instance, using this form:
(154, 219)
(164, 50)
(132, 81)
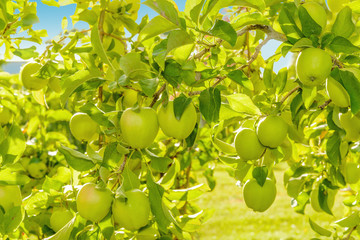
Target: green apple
(259, 198)
(352, 172)
(5, 115)
(129, 98)
(314, 198)
(336, 5)
(172, 127)
(149, 233)
(337, 93)
(272, 131)
(316, 12)
(59, 218)
(36, 168)
(10, 196)
(133, 212)
(313, 66)
(82, 127)
(247, 145)
(31, 82)
(351, 124)
(93, 203)
(139, 127)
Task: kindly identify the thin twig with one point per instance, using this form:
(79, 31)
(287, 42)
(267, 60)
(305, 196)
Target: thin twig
(157, 95)
(116, 37)
(289, 94)
(101, 24)
(325, 104)
(349, 235)
(266, 29)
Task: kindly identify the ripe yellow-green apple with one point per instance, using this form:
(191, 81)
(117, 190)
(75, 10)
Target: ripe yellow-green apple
(352, 172)
(59, 218)
(133, 212)
(29, 81)
(10, 196)
(336, 5)
(149, 233)
(129, 98)
(5, 115)
(171, 126)
(82, 127)
(272, 131)
(337, 93)
(314, 198)
(259, 198)
(351, 124)
(313, 66)
(93, 203)
(139, 127)
(316, 12)
(247, 145)
(36, 168)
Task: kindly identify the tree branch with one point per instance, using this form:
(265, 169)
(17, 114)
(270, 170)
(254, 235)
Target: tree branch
(157, 94)
(266, 29)
(289, 94)
(325, 104)
(349, 235)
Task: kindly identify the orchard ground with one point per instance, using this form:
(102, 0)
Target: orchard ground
(232, 220)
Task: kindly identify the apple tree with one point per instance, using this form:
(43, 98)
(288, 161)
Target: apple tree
(102, 133)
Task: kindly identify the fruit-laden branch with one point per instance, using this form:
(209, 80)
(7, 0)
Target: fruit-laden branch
(157, 94)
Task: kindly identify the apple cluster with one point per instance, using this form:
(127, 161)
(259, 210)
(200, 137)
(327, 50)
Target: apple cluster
(271, 132)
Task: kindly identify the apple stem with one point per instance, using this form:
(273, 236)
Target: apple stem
(157, 95)
(349, 235)
(289, 94)
(325, 104)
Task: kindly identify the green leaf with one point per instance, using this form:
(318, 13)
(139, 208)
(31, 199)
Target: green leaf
(242, 103)
(96, 114)
(98, 46)
(133, 67)
(258, 4)
(318, 229)
(268, 74)
(225, 31)
(343, 25)
(130, 180)
(180, 104)
(13, 146)
(343, 45)
(11, 220)
(323, 198)
(26, 53)
(178, 38)
(160, 164)
(155, 27)
(287, 22)
(187, 194)
(281, 80)
(107, 227)
(13, 177)
(308, 95)
(350, 221)
(260, 174)
(209, 104)
(165, 8)
(333, 149)
(240, 78)
(352, 86)
(172, 73)
(309, 26)
(193, 9)
(77, 160)
(156, 193)
(29, 19)
(88, 16)
(149, 86)
(64, 233)
(168, 180)
(190, 140)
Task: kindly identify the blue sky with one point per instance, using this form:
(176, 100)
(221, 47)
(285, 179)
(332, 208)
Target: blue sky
(51, 17)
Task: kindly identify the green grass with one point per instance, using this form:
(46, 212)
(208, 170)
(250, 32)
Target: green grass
(232, 220)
